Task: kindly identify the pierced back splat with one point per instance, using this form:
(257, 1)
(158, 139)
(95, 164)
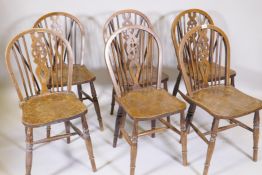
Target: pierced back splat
(185, 21)
(70, 27)
(124, 18)
(130, 61)
(39, 52)
(33, 62)
(205, 61)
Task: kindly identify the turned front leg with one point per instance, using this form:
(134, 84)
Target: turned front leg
(29, 149)
(183, 137)
(134, 139)
(211, 145)
(88, 142)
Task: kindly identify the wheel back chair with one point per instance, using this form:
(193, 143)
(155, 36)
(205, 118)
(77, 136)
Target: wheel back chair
(204, 60)
(182, 24)
(73, 30)
(132, 55)
(125, 18)
(40, 64)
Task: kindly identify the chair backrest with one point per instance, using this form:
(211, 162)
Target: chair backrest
(70, 27)
(204, 58)
(35, 58)
(124, 18)
(185, 21)
(131, 62)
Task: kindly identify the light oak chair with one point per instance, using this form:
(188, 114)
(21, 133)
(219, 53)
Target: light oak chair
(183, 23)
(204, 60)
(132, 54)
(36, 58)
(123, 18)
(73, 30)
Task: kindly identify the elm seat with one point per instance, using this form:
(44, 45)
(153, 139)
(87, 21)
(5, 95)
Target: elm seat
(51, 108)
(148, 103)
(164, 79)
(226, 102)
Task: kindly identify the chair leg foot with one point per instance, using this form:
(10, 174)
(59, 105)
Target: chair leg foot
(29, 150)
(96, 104)
(133, 158)
(211, 145)
(88, 142)
(133, 155)
(183, 139)
(256, 136)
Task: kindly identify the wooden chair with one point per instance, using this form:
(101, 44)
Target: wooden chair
(73, 30)
(125, 18)
(132, 53)
(35, 58)
(204, 59)
(184, 22)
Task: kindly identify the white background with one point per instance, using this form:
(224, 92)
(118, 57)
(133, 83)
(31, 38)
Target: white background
(241, 20)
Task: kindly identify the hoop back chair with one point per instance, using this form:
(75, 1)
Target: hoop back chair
(123, 18)
(204, 60)
(73, 30)
(182, 24)
(34, 58)
(132, 53)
